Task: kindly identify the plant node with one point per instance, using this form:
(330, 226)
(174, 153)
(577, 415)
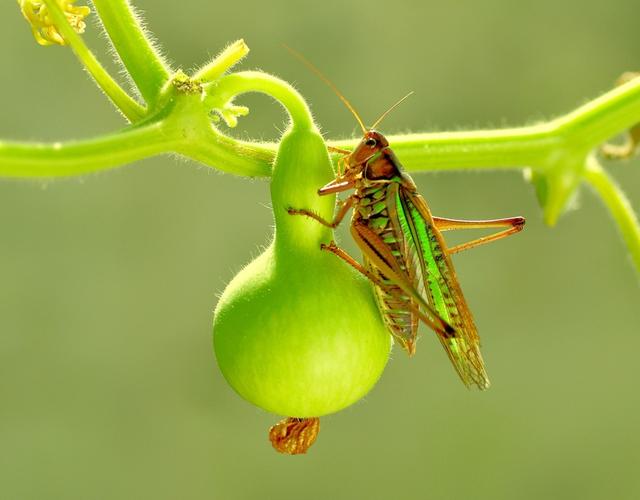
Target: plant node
(185, 84)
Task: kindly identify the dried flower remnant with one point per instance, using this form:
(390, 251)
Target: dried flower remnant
(42, 25)
(294, 436)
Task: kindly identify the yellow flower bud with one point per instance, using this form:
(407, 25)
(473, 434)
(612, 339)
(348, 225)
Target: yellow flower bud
(44, 29)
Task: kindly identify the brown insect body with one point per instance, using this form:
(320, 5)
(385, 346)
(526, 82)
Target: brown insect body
(405, 255)
(379, 183)
(377, 172)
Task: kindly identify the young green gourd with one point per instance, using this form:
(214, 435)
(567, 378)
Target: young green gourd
(297, 331)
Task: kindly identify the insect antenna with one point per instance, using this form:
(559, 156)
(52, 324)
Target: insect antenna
(309, 65)
(384, 115)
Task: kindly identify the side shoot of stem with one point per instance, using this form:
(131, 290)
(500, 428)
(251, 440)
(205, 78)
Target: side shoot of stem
(136, 51)
(228, 87)
(131, 109)
(223, 62)
(618, 205)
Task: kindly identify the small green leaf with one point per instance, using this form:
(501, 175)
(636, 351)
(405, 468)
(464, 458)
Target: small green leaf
(555, 187)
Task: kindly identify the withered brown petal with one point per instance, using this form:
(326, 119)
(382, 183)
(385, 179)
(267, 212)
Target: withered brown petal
(294, 436)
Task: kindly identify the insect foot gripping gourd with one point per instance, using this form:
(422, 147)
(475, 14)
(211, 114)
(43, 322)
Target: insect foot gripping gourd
(297, 331)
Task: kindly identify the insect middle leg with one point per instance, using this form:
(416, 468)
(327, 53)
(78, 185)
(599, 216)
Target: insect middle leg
(513, 225)
(342, 211)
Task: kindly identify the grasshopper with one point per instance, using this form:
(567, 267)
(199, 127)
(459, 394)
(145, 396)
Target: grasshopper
(405, 255)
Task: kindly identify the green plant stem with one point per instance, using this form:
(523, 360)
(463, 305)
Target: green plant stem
(618, 205)
(224, 61)
(127, 105)
(599, 120)
(503, 148)
(536, 146)
(144, 64)
(81, 157)
(232, 156)
(228, 87)
(226, 153)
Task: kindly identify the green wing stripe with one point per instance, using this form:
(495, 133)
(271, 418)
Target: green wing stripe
(439, 284)
(422, 240)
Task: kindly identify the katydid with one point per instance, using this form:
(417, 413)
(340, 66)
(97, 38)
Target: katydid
(405, 255)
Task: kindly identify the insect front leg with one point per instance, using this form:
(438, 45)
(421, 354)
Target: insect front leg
(333, 149)
(513, 224)
(342, 211)
(342, 160)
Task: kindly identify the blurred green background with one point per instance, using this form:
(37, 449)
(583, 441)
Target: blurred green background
(108, 385)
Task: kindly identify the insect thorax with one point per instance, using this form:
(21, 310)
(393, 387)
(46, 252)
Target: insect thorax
(383, 165)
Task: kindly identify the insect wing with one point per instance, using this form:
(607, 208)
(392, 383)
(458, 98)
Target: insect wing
(390, 268)
(437, 281)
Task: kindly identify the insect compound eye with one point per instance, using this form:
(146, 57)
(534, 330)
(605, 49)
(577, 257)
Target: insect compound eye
(371, 142)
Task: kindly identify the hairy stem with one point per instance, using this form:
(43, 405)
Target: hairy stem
(144, 64)
(228, 87)
(504, 148)
(235, 157)
(581, 130)
(618, 205)
(128, 106)
(224, 61)
(534, 146)
(602, 118)
(81, 157)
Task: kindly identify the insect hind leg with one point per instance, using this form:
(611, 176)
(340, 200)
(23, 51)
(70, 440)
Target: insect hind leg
(513, 225)
(445, 334)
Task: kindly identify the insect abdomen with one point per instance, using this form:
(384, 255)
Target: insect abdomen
(394, 304)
